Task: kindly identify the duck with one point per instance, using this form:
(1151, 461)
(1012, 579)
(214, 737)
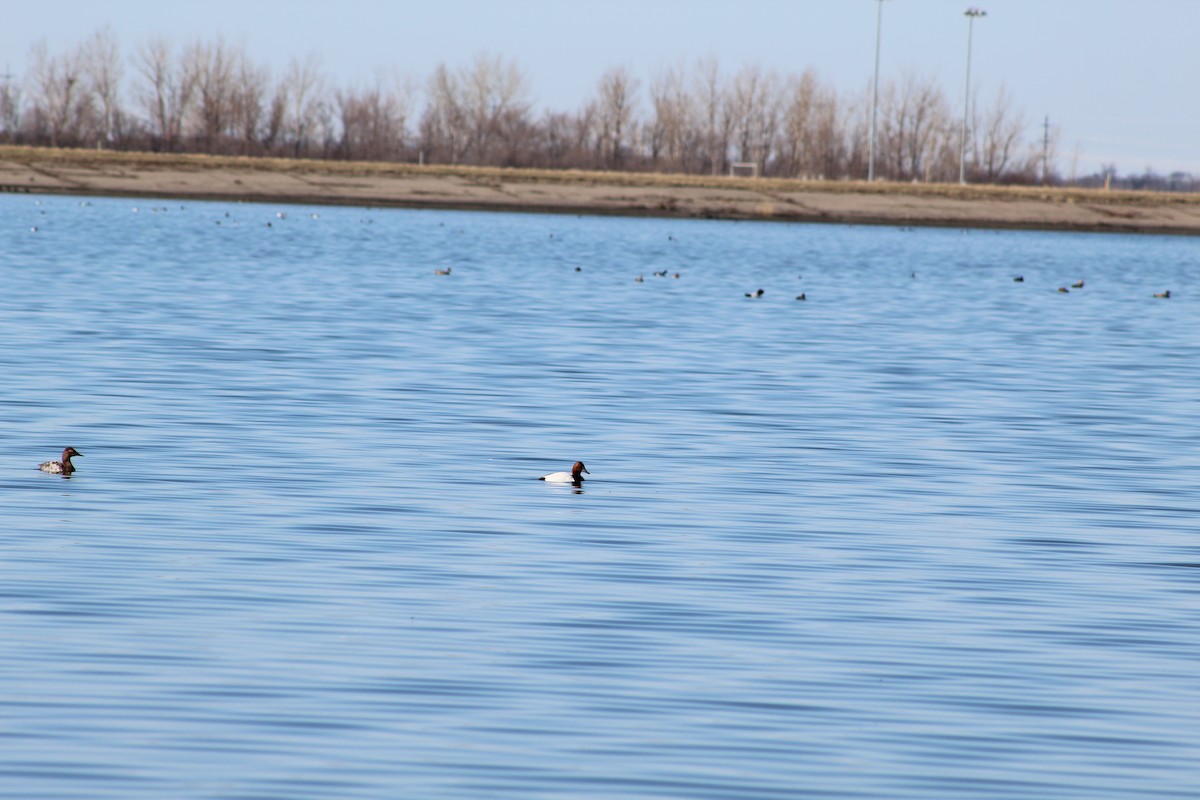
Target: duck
(445, 271)
(64, 467)
(574, 476)
(802, 296)
(1077, 284)
(1018, 279)
(1164, 295)
(1063, 290)
(757, 294)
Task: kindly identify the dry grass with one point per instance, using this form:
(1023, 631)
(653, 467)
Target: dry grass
(100, 159)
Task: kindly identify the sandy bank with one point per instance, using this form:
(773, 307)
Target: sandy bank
(284, 181)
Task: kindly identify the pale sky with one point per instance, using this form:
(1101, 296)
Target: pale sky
(1115, 76)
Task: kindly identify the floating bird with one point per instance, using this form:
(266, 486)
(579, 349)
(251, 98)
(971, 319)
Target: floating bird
(639, 279)
(579, 269)
(757, 294)
(662, 274)
(445, 271)
(676, 276)
(1164, 295)
(801, 296)
(64, 467)
(1063, 289)
(1018, 279)
(1077, 284)
(575, 476)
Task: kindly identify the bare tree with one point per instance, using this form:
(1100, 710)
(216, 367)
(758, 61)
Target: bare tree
(915, 132)
(215, 66)
(753, 102)
(495, 98)
(167, 91)
(102, 65)
(62, 111)
(614, 109)
(812, 140)
(713, 112)
(444, 123)
(248, 114)
(473, 113)
(306, 112)
(999, 139)
(672, 128)
(10, 109)
(374, 121)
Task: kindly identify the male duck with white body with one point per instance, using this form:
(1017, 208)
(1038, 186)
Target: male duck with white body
(574, 476)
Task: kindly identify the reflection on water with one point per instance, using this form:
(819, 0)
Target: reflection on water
(930, 533)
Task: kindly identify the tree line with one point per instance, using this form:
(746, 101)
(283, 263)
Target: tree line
(211, 96)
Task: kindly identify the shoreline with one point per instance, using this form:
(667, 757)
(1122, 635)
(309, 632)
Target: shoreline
(194, 177)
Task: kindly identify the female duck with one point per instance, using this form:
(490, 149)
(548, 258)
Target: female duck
(64, 467)
(574, 476)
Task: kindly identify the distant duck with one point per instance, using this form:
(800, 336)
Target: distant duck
(1077, 284)
(1164, 295)
(639, 279)
(676, 276)
(445, 271)
(1019, 279)
(1063, 290)
(64, 467)
(574, 476)
(802, 296)
(757, 294)
(662, 274)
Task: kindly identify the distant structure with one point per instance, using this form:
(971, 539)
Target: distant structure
(743, 169)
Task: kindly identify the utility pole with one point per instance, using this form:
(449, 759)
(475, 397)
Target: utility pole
(1045, 150)
(971, 14)
(875, 92)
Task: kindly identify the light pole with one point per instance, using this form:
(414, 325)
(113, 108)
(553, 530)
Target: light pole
(971, 14)
(875, 92)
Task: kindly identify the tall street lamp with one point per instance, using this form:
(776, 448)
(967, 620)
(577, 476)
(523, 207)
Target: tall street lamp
(971, 14)
(875, 92)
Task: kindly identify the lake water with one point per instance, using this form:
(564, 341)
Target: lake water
(931, 533)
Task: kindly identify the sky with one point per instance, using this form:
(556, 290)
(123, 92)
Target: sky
(1115, 77)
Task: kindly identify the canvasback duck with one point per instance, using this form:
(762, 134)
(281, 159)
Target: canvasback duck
(574, 476)
(64, 467)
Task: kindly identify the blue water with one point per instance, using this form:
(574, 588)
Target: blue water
(929, 534)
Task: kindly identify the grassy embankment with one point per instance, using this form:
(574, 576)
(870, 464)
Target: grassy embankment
(100, 159)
